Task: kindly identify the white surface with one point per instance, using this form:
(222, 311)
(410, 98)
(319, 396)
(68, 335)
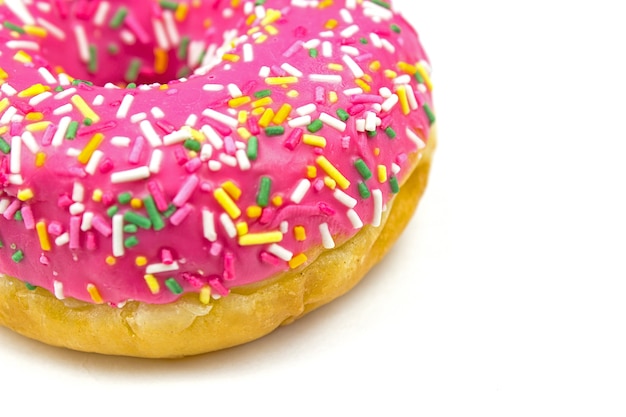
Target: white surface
(505, 297)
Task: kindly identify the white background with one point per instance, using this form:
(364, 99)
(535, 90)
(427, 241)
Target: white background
(506, 295)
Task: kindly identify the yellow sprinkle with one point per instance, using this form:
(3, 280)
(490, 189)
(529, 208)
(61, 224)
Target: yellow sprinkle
(181, 12)
(333, 97)
(262, 102)
(271, 30)
(292, 94)
(249, 21)
(239, 101)
(195, 134)
(4, 103)
(242, 117)
(325, 3)
(242, 228)
(25, 195)
(271, 15)
(311, 171)
(37, 127)
(422, 71)
(333, 172)
(375, 66)
(244, 133)
(282, 114)
(277, 200)
(331, 24)
(3, 74)
(330, 183)
(84, 108)
(280, 80)
(382, 174)
(40, 159)
(97, 195)
(367, 78)
(35, 31)
(207, 23)
(136, 203)
(254, 212)
(44, 239)
(110, 260)
(94, 293)
(390, 73)
(267, 117)
(365, 86)
(297, 260)
(4, 129)
(33, 90)
(90, 148)
(163, 87)
(141, 261)
(314, 140)
(232, 190)
(152, 282)
(260, 238)
(259, 111)
(34, 116)
(407, 68)
(23, 57)
(261, 39)
(299, 233)
(231, 57)
(205, 295)
(404, 100)
(227, 203)
(161, 59)
(335, 67)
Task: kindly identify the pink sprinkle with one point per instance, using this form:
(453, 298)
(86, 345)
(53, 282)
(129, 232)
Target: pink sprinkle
(91, 241)
(180, 215)
(103, 227)
(216, 284)
(326, 209)
(366, 98)
(386, 122)
(106, 165)
(136, 28)
(193, 165)
(186, 190)
(318, 151)
(271, 259)
(193, 279)
(318, 185)
(23, 107)
(223, 130)
(165, 126)
(158, 195)
(293, 49)
(48, 134)
(348, 41)
(166, 256)
(363, 57)
(156, 11)
(248, 87)
(181, 156)
(135, 152)
(97, 128)
(229, 145)
(43, 259)
(64, 201)
(278, 71)
(401, 158)
(320, 95)
(27, 216)
(206, 187)
(216, 249)
(15, 129)
(294, 139)
(229, 266)
(55, 228)
(345, 142)
(266, 215)
(75, 171)
(75, 232)
(108, 198)
(253, 125)
(356, 109)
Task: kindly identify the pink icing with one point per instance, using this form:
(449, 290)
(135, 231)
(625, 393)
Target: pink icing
(84, 217)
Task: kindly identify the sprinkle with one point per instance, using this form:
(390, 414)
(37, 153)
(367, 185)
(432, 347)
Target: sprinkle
(186, 190)
(281, 80)
(300, 192)
(222, 118)
(314, 140)
(411, 135)
(333, 172)
(403, 98)
(282, 114)
(280, 252)
(333, 122)
(228, 225)
(393, 182)
(42, 233)
(90, 148)
(208, 225)
(150, 134)
(260, 238)
(130, 175)
(227, 203)
(253, 148)
(354, 218)
(153, 213)
(325, 78)
(264, 192)
(297, 260)
(429, 113)
(315, 126)
(378, 207)
(16, 155)
(153, 283)
(345, 199)
(363, 169)
(173, 286)
(127, 101)
(118, 235)
(161, 267)
(274, 130)
(94, 293)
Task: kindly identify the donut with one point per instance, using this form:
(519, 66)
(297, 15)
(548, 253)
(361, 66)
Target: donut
(178, 177)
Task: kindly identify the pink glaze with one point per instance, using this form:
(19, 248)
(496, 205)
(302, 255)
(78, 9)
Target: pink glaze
(114, 194)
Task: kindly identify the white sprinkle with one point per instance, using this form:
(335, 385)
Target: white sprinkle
(72, 152)
(411, 135)
(333, 122)
(150, 134)
(388, 46)
(21, 11)
(52, 29)
(16, 179)
(346, 16)
(327, 34)
(101, 13)
(344, 198)
(214, 165)
(300, 191)
(390, 102)
(248, 53)
(59, 136)
(395, 168)
(212, 87)
(402, 79)
(354, 218)
(159, 268)
(260, 13)
(385, 92)
(327, 49)
(76, 209)
(284, 227)
(212, 136)
(138, 117)
(175, 137)
(128, 38)
(208, 225)
(280, 252)
(196, 48)
(64, 80)
(58, 286)
(291, 70)
(325, 78)
(299, 121)
(155, 161)
(327, 239)
(94, 161)
(157, 113)
(4, 205)
(360, 125)
(374, 10)
(83, 43)
(8, 90)
(206, 152)
(160, 35)
(127, 101)
(378, 207)
(350, 50)
(242, 159)
(354, 67)
(229, 226)
(87, 221)
(221, 117)
(65, 94)
(118, 235)
(411, 97)
(351, 4)
(353, 91)
(16, 155)
(30, 142)
(120, 141)
(234, 91)
(64, 109)
(170, 27)
(311, 44)
(29, 45)
(349, 31)
(130, 175)
(306, 109)
(191, 120)
(63, 239)
(229, 160)
(370, 121)
(8, 115)
(78, 192)
(265, 71)
(376, 41)
(47, 76)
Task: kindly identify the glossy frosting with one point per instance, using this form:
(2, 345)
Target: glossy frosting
(120, 180)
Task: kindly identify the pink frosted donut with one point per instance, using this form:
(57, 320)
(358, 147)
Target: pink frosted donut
(155, 153)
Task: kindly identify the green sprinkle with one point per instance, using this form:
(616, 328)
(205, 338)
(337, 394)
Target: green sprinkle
(30, 286)
(130, 228)
(364, 41)
(364, 191)
(192, 145)
(418, 77)
(259, 2)
(263, 93)
(79, 82)
(1, 245)
(18, 216)
(313, 53)
(372, 134)
(315, 126)
(112, 211)
(382, 3)
(113, 49)
(4, 146)
(87, 121)
(391, 133)
(130, 86)
(125, 198)
(183, 48)
(343, 115)
(137, 219)
(118, 18)
(173, 286)
(263, 198)
(170, 210)
(92, 66)
(18, 256)
(59, 89)
(170, 5)
(131, 242)
(132, 73)
(253, 148)
(13, 27)
(395, 188)
(71, 131)
(429, 113)
(183, 72)
(153, 213)
(274, 130)
(396, 28)
(363, 169)
(201, 57)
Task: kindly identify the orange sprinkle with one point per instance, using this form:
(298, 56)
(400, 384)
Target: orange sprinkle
(277, 201)
(181, 12)
(297, 260)
(136, 203)
(161, 59)
(141, 261)
(299, 233)
(42, 233)
(254, 212)
(110, 260)
(40, 159)
(94, 293)
(331, 24)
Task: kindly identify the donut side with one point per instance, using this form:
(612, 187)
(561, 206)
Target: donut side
(186, 327)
